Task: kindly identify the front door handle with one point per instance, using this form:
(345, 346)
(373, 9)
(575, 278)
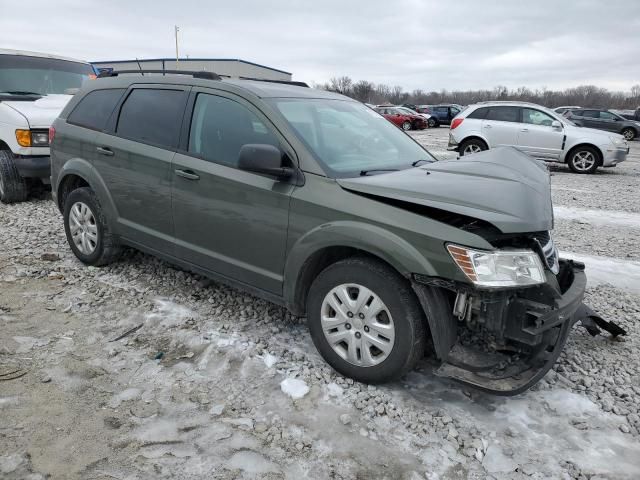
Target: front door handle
(487, 126)
(524, 130)
(105, 151)
(188, 174)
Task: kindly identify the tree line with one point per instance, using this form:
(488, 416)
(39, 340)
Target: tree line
(583, 95)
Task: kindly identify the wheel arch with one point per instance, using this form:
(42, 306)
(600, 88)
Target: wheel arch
(328, 244)
(78, 173)
(584, 144)
(475, 136)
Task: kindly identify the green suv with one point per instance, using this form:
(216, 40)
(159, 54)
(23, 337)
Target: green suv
(315, 202)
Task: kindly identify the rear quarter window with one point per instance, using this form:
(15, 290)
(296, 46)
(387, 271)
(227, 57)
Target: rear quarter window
(479, 113)
(503, 114)
(95, 108)
(152, 116)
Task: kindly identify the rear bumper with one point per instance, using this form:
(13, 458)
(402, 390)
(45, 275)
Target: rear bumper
(452, 145)
(527, 331)
(34, 167)
(614, 156)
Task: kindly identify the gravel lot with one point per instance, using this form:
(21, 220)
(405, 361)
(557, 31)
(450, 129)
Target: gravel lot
(217, 384)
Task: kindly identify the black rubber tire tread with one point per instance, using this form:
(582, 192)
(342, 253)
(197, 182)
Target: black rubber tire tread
(595, 166)
(633, 130)
(107, 249)
(14, 187)
(472, 141)
(396, 293)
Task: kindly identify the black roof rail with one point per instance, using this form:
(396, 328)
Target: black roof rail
(286, 82)
(195, 74)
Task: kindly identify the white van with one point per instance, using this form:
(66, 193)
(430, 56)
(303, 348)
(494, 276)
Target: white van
(34, 88)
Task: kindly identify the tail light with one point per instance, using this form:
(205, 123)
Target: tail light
(456, 123)
(52, 134)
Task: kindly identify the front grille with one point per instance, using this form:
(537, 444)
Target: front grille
(549, 251)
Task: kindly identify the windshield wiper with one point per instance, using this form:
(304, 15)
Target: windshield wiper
(21, 92)
(367, 172)
(417, 162)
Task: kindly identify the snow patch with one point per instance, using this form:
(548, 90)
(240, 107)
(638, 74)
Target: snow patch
(269, 360)
(294, 387)
(169, 314)
(598, 217)
(623, 274)
(251, 462)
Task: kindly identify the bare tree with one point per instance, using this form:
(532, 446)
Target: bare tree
(363, 91)
(341, 85)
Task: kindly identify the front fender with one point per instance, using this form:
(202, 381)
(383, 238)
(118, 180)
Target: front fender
(372, 239)
(86, 171)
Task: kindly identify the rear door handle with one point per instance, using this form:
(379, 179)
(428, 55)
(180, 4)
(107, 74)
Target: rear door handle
(105, 151)
(188, 174)
(487, 126)
(524, 130)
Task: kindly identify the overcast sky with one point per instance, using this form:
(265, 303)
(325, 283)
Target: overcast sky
(450, 44)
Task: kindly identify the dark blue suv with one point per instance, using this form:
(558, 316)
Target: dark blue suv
(444, 113)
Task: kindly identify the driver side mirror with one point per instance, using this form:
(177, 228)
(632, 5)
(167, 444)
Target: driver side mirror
(556, 124)
(263, 158)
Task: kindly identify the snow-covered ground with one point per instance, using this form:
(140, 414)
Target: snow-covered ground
(214, 383)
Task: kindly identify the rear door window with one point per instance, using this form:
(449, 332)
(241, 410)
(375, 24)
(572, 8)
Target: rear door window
(590, 114)
(504, 114)
(152, 116)
(95, 108)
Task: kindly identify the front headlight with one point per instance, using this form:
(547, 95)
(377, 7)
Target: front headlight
(618, 142)
(502, 268)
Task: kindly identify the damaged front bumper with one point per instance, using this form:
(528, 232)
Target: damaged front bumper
(501, 341)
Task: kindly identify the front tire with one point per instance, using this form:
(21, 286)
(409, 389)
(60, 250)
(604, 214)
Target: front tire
(13, 187)
(87, 230)
(365, 320)
(629, 134)
(471, 146)
(584, 160)
(432, 122)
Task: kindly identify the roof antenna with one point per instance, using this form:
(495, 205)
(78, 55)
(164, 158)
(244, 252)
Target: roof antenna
(139, 66)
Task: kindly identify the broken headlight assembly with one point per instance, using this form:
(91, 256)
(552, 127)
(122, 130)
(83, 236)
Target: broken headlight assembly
(500, 268)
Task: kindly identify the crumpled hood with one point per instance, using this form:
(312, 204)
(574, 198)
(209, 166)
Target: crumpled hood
(42, 112)
(502, 186)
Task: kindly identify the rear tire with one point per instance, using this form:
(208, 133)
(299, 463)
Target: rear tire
(471, 146)
(432, 123)
(13, 187)
(406, 125)
(87, 229)
(379, 309)
(583, 160)
(629, 134)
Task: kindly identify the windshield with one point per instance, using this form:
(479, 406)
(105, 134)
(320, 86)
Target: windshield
(349, 139)
(23, 75)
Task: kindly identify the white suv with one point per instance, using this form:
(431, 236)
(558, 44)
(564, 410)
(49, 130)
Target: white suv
(538, 131)
(34, 88)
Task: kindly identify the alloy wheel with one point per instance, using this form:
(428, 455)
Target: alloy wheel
(357, 324)
(473, 148)
(584, 160)
(83, 228)
(406, 126)
(628, 134)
